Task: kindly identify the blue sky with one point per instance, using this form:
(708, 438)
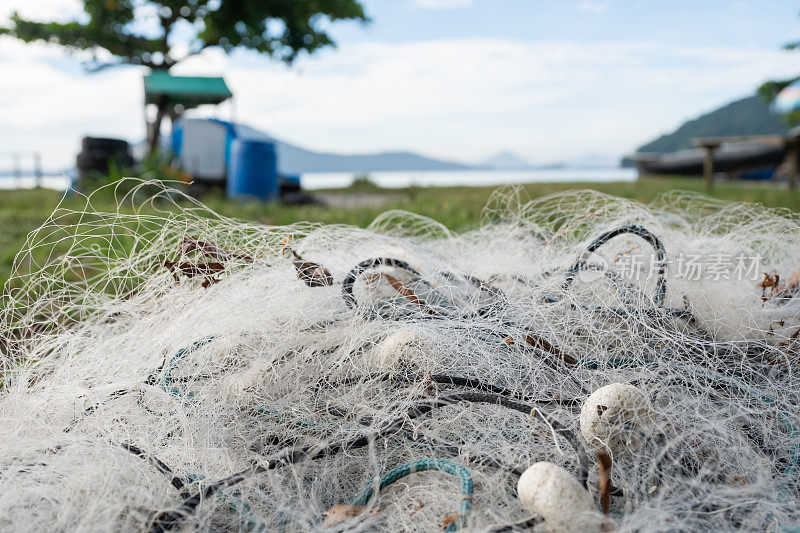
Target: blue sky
(706, 22)
(456, 79)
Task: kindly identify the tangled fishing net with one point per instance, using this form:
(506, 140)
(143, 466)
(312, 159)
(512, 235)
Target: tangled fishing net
(578, 362)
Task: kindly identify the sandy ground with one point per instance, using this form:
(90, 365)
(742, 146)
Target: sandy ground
(353, 200)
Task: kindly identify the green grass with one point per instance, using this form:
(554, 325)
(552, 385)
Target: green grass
(456, 207)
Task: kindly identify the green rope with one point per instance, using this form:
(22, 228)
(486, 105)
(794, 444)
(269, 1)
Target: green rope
(421, 465)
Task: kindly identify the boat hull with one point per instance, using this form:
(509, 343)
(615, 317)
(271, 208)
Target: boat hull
(739, 159)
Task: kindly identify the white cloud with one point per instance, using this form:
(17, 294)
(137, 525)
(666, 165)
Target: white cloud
(459, 99)
(595, 7)
(61, 10)
(444, 4)
(464, 99)
(49, 103)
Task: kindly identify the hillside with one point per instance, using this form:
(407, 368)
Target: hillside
(505, 160)
(748, 116)
(295, 160)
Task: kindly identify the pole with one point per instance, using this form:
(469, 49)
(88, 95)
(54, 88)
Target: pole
(793, 155)
(708, 165)
(17, 168)
(37, 169)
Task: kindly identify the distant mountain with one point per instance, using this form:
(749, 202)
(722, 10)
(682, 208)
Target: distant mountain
(27, 172)
(590, 161)
(748, 116)
(510, 161)
(505, 160)
(295, 160)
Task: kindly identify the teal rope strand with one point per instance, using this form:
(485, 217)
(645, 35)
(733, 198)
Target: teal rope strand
(251, 521)
(789, 474)
(421, 465)
(166, 376)
(783, 417)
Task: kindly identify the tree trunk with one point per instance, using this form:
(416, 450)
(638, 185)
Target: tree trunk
(155, 135)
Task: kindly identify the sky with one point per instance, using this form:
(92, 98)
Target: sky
(461, 80)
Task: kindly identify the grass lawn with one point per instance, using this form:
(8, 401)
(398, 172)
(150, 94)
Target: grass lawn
(456, 207)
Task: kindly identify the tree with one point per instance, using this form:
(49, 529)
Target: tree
(161, 33)
(770, 89)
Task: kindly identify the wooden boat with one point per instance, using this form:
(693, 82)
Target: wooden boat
(738, 158)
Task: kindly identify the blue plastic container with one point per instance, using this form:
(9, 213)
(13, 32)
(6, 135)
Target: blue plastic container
(252, 170)
(760, 174)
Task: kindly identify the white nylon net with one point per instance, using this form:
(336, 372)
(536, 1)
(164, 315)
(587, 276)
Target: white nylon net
(171, 368)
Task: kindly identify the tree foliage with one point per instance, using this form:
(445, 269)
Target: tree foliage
(160, 33)
(770, 89)
(748, 116)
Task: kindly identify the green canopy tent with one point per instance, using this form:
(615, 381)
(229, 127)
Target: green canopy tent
(174, 94)
(187, 91)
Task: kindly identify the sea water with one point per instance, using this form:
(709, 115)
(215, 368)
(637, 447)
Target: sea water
(406, 178)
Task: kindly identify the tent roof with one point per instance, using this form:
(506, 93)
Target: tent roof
(189, 91)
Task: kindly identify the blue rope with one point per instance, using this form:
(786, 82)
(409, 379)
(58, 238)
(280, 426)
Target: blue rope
(421, 465)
